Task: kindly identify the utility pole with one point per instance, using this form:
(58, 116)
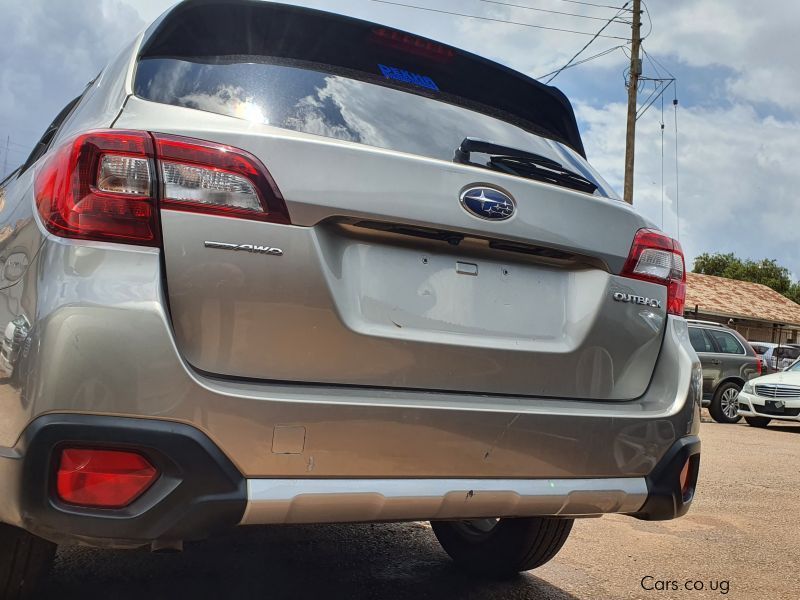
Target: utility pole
(633, 84)
(5, 160)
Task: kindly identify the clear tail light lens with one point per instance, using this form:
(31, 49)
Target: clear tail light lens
(124, 175)
(207, 177)
(102, 478)
(658, 258)
(189, 183)
(108, 185)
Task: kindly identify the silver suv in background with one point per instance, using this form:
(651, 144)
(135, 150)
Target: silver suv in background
(775, 357)
(276, 265)
(728, 362)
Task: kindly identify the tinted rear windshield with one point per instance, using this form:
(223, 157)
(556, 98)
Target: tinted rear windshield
(329, 75)
(338, 107)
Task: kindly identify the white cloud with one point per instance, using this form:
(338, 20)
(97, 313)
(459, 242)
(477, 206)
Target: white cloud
(738, 182)
(736, 61)
(758, 42)
(51, 50)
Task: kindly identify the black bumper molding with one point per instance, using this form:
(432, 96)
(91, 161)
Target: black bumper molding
(199, 492)
(665, 498)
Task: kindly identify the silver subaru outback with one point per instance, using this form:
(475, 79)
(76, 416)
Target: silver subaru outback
(276, 265)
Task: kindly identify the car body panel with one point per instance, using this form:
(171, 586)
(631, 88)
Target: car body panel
(83, 315)
(426, 326)
(189, 336)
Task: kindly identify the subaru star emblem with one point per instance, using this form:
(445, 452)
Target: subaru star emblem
(488, 203)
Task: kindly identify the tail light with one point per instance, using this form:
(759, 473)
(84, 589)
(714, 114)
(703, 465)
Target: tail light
(759, 367)
(99, 186)
(108, 185)
(213, 178)
(658, 258)
(102, 478)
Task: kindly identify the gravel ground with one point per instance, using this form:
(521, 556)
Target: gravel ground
(741, 536)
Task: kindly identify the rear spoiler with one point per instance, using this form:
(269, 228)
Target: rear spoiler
(231, 29)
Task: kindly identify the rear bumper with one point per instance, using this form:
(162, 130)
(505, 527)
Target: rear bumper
(342, 500)
(102, 344)
(200, 492)
(101, 347)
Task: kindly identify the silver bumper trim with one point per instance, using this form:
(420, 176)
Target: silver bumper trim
(273, 501)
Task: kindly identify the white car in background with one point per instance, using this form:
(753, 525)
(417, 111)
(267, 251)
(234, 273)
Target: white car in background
(775, 396)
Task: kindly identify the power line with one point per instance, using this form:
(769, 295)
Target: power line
(5, 161)
(652, 63)
(555, 12)
(457, 14)
(17, 151)
(19, 145)
(660, 64)
(595, 5)
(650, 20)
(585, 60)
(589, 43)
(661, 84)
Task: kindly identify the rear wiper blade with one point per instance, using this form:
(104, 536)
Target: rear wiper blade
(522, 163)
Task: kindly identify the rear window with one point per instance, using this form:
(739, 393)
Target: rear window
(787, 353)
(321, 103)
(699, 340)
(342, 78)
(727, 343)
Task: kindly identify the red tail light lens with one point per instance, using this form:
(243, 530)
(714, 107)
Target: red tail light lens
(658, 258)
(107, 185)
(213, 178)
(103, 478)
(99, 186)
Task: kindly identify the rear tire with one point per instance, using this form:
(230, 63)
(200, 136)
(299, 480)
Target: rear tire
(724, 406)
(503, 549)
(757, 421)
(24, 561)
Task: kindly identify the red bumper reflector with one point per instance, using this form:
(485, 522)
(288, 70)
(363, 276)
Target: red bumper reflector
(103, 478)
(688, 477)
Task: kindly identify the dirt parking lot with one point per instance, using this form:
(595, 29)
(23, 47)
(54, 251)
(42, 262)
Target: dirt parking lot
(741, 537)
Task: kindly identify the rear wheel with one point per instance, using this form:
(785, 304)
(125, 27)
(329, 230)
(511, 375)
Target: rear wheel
(757, 421)
(502, 547)
(24, 561)
(725, 404)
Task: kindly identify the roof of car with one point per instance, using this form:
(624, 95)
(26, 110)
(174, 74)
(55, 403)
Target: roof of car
(707, 323)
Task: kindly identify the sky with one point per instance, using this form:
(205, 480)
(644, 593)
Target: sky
(738, 111)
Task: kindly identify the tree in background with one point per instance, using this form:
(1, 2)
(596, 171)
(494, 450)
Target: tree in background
(766, 272)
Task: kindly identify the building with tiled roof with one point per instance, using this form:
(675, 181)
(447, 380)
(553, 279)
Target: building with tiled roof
(758, 312)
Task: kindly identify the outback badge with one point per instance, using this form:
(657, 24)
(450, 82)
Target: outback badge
(644, 301)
